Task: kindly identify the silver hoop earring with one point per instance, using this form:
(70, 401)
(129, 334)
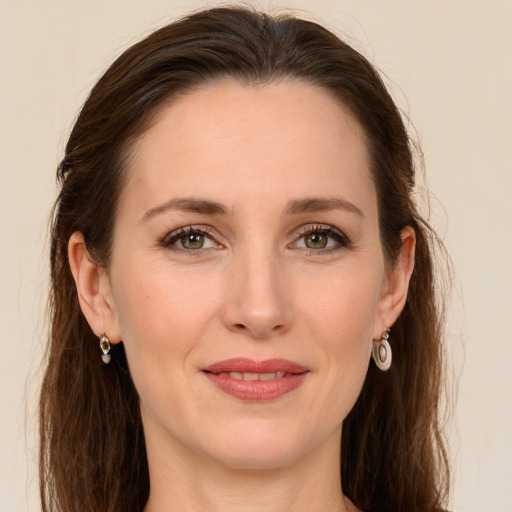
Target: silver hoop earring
(381, 352)
(105, 348)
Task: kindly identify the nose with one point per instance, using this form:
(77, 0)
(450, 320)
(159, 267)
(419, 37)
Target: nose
(257, 297)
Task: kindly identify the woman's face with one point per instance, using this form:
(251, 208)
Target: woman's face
(247, 278)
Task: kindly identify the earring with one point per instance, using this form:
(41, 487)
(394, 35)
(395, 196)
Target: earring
(381, 352)
(105, 348)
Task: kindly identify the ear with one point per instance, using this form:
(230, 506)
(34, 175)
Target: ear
(93, 289)
(396, 284)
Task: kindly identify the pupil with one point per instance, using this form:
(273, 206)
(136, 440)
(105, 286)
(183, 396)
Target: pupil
(193, 241)
(316, 241)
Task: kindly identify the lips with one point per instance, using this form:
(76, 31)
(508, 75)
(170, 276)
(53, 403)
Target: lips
(256, 380)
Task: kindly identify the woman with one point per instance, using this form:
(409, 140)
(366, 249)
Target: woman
(234, 240)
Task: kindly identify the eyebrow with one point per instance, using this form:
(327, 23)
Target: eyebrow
(187, 204)
(321, 204)
(207, 207)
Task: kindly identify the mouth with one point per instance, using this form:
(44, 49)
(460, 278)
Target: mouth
(251, 376)
(249, 380)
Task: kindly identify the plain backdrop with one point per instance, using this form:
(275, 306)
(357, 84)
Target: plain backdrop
(449, 65)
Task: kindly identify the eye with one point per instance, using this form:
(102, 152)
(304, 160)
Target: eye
(190, 239)
(320, 238)
(316, 241)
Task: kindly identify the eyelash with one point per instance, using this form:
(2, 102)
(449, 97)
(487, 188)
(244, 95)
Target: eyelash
(170, 239)
(342, 241)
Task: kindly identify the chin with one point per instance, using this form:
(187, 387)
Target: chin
(258, 447)
(257, 458)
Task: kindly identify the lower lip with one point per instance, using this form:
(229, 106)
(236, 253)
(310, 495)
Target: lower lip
(257, 390)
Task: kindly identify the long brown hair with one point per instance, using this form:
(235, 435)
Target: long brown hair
(93, 454)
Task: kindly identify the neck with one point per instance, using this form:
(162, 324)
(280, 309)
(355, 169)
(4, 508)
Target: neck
(184, 481)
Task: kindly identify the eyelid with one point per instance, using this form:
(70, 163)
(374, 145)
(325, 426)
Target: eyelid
(318, 227)
(343, 241)
(170, 238)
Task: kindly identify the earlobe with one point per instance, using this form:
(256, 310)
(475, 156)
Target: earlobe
(93, 289)
(397, 283)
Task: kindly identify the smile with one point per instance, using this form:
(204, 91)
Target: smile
(256, 381)
(254, 376)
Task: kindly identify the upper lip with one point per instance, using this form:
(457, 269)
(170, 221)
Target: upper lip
(248, 365)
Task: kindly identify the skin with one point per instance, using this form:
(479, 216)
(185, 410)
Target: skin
(254, 290)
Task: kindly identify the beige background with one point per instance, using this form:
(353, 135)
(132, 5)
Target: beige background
(451, 61)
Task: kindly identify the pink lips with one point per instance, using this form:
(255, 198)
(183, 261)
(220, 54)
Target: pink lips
(254, 380)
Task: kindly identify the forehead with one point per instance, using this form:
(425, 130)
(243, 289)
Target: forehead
(245, 142)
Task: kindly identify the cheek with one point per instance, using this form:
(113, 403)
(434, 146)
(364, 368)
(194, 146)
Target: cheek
(156, 295)
(162, 315)
(342, 305)
(339, 314)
